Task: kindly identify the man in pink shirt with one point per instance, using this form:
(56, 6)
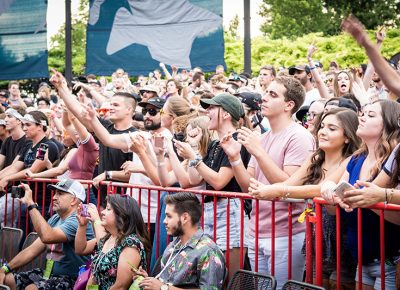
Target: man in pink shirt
(275, 157)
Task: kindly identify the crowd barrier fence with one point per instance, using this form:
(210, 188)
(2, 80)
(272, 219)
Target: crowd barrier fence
(312, 218)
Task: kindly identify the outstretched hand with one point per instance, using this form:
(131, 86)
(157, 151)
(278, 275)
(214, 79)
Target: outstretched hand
(311, 50)
(354, 27)
(57, 79)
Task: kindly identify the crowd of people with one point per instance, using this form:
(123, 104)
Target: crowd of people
(298, 133)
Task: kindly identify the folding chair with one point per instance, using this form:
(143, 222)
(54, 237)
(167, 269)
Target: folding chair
(296, 285)
(39, 261)
(10, 239)
(248, 280)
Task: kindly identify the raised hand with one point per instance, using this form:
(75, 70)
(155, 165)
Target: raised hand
(311, 50)
(184, 150)
(250, 140)
(354, 27)
(231, 147)
(57, 79)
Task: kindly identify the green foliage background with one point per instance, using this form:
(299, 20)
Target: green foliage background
(286, 52)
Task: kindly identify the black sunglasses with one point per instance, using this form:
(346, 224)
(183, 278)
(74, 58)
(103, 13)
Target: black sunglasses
(152, 112)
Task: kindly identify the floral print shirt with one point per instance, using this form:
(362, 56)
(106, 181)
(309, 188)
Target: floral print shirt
(104, 265)
(199, 263)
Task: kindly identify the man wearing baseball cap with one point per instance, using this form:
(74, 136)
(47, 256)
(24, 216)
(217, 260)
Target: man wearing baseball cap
(56, 236)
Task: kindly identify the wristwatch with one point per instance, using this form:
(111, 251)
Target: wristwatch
(108, 175)
(194, 162)
(32, 206)
(164, 287)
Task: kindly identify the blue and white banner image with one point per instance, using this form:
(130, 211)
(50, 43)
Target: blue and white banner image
(137, 35)
(23, 43)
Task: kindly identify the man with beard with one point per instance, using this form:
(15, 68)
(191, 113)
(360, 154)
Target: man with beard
(152, 124)
(56, 236)
(303, 74)
(379, 89)
(192, 259)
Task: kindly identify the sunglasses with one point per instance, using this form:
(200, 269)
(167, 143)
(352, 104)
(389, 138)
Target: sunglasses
(143, 92)
(162, 112)
(152, 112)
(103, 111)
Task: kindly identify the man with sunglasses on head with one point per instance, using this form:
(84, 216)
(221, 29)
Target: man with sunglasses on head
(10, 151)
(57, 237)
(32, 157)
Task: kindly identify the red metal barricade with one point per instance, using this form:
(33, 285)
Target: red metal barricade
(143, 192)
(316, 219)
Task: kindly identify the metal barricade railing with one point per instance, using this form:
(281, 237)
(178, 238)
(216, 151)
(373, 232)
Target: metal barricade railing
(316, 219)
(39, 186)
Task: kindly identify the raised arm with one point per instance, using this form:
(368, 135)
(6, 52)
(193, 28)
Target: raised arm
(388, 75)
(322, 89)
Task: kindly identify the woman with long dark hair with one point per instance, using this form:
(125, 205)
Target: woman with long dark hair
(123, 243)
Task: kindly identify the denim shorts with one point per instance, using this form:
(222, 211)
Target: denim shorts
(371, 275)
(221, 218)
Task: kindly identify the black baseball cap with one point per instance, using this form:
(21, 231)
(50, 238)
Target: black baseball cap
(156, 102)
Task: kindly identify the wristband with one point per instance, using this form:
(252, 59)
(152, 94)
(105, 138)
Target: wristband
(6, 268)
(32, 206)
(160, 163)
(236, 163)
(108, 175)
(97, 222)
(312, 67)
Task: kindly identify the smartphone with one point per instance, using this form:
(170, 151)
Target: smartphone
(342, 187)
(17, 192)
(159, 141)
(84, 211)
(41, 151)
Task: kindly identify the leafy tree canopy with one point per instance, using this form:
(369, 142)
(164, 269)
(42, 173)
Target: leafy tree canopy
(287, 18)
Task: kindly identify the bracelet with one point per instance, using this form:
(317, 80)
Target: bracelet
(97, 222)
(312, 67)
(6, 268)
(198, 163)
(387, 200)
(160, 163)
(236, 163)
(286, 192)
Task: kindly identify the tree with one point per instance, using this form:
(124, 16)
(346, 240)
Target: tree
(287, 18)
(370, 13)
(296, 18)
(233, 26)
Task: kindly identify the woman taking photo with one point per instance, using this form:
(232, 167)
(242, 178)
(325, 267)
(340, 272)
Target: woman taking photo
(124, 243)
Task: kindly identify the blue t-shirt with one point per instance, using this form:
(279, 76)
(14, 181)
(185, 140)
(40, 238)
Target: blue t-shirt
(370, 225)
(66, 262)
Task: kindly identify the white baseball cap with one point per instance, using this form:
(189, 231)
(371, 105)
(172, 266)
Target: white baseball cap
(71, 186)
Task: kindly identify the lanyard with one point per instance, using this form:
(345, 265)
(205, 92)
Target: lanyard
(171, 259)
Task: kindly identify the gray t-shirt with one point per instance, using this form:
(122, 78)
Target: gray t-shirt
(66, 262)
(390, 164)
